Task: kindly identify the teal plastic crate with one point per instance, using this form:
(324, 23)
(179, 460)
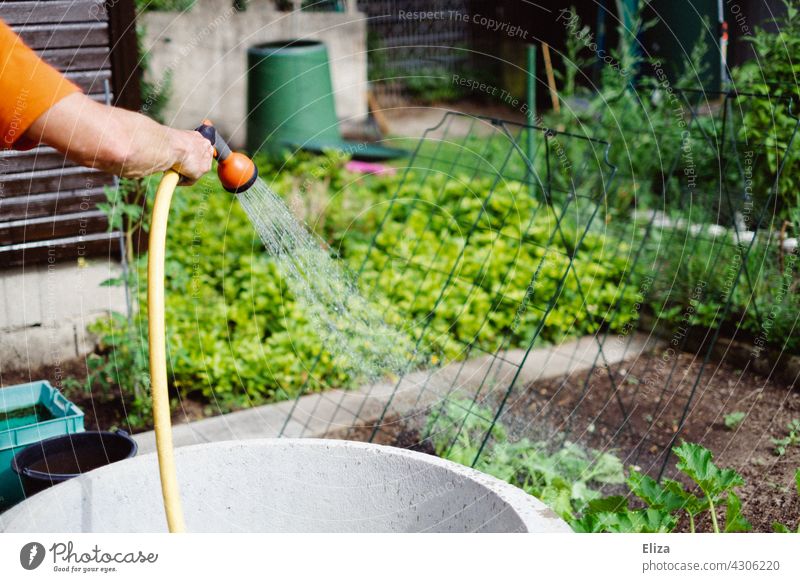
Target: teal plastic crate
(30, 413)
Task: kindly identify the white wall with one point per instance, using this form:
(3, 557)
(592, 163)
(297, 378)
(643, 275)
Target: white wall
(45, 309)
(205, 49)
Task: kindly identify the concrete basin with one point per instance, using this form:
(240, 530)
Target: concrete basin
(288, 485)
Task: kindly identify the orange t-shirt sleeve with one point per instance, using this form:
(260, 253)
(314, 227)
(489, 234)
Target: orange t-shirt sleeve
(28, 87)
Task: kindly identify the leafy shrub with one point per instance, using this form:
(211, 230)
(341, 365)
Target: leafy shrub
(791, 439)
(769, 123)
(695, 285)
(644, 124)
(428, 226)
(665, 500)
(164, 5)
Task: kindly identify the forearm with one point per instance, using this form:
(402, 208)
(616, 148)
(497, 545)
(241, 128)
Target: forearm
(109, 139)
(146, 147)
(114, 140)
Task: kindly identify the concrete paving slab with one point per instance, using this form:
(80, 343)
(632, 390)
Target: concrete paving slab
(321, 414)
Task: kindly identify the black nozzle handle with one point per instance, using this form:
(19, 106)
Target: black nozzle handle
(209, 132)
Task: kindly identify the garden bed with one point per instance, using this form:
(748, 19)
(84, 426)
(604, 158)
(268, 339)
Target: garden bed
(550, 410)
(104, 408)
(768, 495)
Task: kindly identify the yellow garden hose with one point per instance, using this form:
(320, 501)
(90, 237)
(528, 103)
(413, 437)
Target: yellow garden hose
(237, 173)
(158, 352)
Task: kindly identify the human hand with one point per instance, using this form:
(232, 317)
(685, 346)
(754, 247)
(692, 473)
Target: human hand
(193, 155)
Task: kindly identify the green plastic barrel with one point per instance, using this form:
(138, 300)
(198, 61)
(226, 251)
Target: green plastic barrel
(290, 103)
(289, 96)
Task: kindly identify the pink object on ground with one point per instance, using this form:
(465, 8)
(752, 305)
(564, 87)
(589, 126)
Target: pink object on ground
(369, 168)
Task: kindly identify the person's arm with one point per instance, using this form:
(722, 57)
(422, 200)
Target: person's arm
(118, 141)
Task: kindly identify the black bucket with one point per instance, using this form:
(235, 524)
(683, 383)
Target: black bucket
(52, 461)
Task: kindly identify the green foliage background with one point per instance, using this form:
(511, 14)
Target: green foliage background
(237, 335)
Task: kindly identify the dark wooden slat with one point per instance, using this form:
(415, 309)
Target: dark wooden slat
(40, 36)
(127, 77)
(50, 227)
(106, 244)
(54, 11)
(55, 180)
(101, 97)
(50, 204)
(91, 81)
(82, 59)
(40, 158)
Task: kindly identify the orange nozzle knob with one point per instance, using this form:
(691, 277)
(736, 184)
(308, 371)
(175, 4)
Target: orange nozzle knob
(237, 172)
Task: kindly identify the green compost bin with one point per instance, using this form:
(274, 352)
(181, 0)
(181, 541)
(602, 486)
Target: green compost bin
(290, 103)
(30, 413)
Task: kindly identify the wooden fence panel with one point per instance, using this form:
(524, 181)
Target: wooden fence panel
(48, 205)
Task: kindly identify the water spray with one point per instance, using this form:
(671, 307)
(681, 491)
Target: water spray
(237, 173)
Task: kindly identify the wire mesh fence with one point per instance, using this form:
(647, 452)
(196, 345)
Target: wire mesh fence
(600, 327)
(705, 262)
(499, 197)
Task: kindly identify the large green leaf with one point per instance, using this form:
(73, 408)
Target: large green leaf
(697, 463)
(734, 520)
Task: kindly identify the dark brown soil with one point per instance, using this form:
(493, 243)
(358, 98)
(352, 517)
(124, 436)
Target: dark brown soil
(584, 408)
(104, 410)
(588, 409)
(392, 432)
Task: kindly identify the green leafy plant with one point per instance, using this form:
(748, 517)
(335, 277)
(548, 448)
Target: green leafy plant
(644, 121)
(716, 484)
(431, 86)
(634, 113)
(781, 528)
(791, 439)
(120, 362)
(612, 515)
(733, 420)
(164, 5)
(126, 208)
(666, 500)
(567, 479)
(663, 502)
(775, 73)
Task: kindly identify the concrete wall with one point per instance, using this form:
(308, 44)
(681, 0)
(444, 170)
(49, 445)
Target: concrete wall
(44, 311)
(204, 52)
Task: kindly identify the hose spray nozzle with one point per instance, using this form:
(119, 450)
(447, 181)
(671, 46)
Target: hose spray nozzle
(236, 171)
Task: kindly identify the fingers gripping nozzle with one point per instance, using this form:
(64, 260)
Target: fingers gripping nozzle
(236, 171)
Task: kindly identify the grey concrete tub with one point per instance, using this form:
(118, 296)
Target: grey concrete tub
(288, 485)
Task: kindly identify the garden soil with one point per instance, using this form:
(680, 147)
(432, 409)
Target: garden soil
(594, 418)
(559, 409)
(103, 409)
